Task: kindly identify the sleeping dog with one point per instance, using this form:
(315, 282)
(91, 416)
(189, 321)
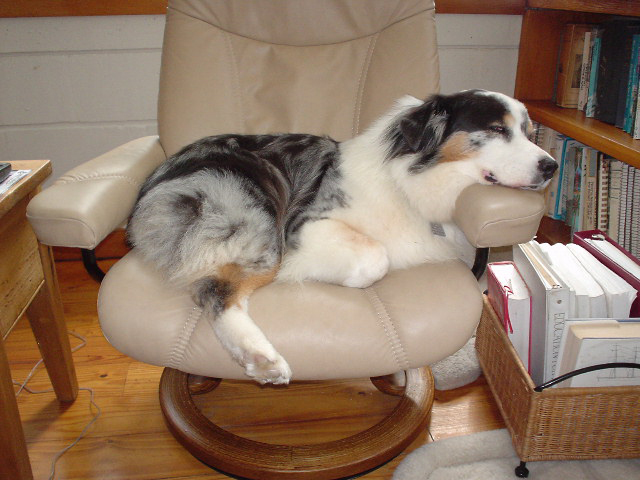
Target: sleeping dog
(231, 213)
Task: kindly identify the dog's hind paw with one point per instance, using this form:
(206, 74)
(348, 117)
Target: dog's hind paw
(263, 370)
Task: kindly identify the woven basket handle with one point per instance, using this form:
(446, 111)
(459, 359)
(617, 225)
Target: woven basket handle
(601, 366)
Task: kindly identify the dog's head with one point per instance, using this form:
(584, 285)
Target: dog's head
(487, 132)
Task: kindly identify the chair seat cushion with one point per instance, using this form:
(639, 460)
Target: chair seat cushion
(409, 319)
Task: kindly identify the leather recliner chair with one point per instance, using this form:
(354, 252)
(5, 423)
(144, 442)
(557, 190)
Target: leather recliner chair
(256, 66)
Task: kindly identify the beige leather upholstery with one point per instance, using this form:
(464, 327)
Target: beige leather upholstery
(87, 203)
(409, 319)
(495, 216)
(228, 68)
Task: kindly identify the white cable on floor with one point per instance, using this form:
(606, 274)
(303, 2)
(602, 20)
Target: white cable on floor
(23, 386)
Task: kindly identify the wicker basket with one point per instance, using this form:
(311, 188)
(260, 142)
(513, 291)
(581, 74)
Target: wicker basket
(556, 423)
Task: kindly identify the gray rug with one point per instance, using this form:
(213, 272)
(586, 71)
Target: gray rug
(490, 456)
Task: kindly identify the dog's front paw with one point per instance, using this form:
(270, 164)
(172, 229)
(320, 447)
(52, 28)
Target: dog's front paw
(368, 269)
(267, 369)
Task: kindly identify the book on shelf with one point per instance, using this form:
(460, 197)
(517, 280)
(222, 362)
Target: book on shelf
(602, 188)
(566, 283)
(589, 189)
(613, 70)
(570, 64)
(632, 86)
(551, 142)
(585, 70)
(566, 180)
(592, 342)
(598, 72)
(511, 299)
(615, 189)
(594, 63)
(592, 190)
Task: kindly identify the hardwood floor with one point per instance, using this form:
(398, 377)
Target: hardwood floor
(130, 441)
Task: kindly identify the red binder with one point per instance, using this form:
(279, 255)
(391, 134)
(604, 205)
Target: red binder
(513, 311)
(580, 238)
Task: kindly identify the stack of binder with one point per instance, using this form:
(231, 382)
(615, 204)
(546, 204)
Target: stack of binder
(590, 280)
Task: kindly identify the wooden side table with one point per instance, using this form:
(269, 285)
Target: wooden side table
(28, 284)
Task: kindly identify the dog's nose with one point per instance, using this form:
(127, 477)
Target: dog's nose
(547, 167)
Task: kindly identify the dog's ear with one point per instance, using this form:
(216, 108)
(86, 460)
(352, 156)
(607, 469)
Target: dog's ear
(424, 128)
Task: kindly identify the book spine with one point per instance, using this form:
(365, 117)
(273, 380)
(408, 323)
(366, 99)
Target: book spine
(622, 216)
(585, 71)
(568, 88)
(632, 189)
(552, 144)
(589, 194)
(572, 214)
(565, 179)
(615, 188)
(635, 212)
(632, 85)
(636, 122)
(603, 193)
(593, 77)
(557, 300)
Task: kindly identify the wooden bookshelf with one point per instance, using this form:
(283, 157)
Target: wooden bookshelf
(573, 123)
(542, 26)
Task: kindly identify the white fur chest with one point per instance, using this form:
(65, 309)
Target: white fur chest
(378, 208)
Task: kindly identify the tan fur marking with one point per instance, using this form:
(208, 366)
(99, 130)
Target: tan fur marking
(243, 283)
(529, 127)
(510, 120)
(455, 148)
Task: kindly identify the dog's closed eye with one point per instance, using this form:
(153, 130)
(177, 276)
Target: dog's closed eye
(499, 129)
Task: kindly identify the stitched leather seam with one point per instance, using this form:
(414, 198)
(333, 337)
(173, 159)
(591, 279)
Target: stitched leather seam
(236, 80)
(504, 221)
(131, 180)
(176, 354)
(399, 354)
(362, 81)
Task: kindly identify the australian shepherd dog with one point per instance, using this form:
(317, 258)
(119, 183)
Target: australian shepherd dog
(231, 213)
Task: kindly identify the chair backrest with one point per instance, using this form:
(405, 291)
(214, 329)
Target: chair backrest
(327, 67)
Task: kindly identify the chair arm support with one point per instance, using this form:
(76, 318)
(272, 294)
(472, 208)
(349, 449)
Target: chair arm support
(90, 201)
(495, 216)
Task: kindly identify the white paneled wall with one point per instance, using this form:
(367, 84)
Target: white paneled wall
(75, 87)
(72, 88)
(478, 51)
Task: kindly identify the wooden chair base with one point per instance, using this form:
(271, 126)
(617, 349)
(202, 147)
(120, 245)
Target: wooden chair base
(330, 460)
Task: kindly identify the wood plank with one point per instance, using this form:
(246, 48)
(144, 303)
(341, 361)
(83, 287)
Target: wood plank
(470, 409)
(21, 274)
(601, 136)
(553, 231)
(46, 317)
(614, 7)
(497, 7)
(539, 47)
(13, 449)
(40, 170)
(65, 8)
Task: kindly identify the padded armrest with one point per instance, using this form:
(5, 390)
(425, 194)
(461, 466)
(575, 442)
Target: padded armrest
(496, 216)
(90, 201)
